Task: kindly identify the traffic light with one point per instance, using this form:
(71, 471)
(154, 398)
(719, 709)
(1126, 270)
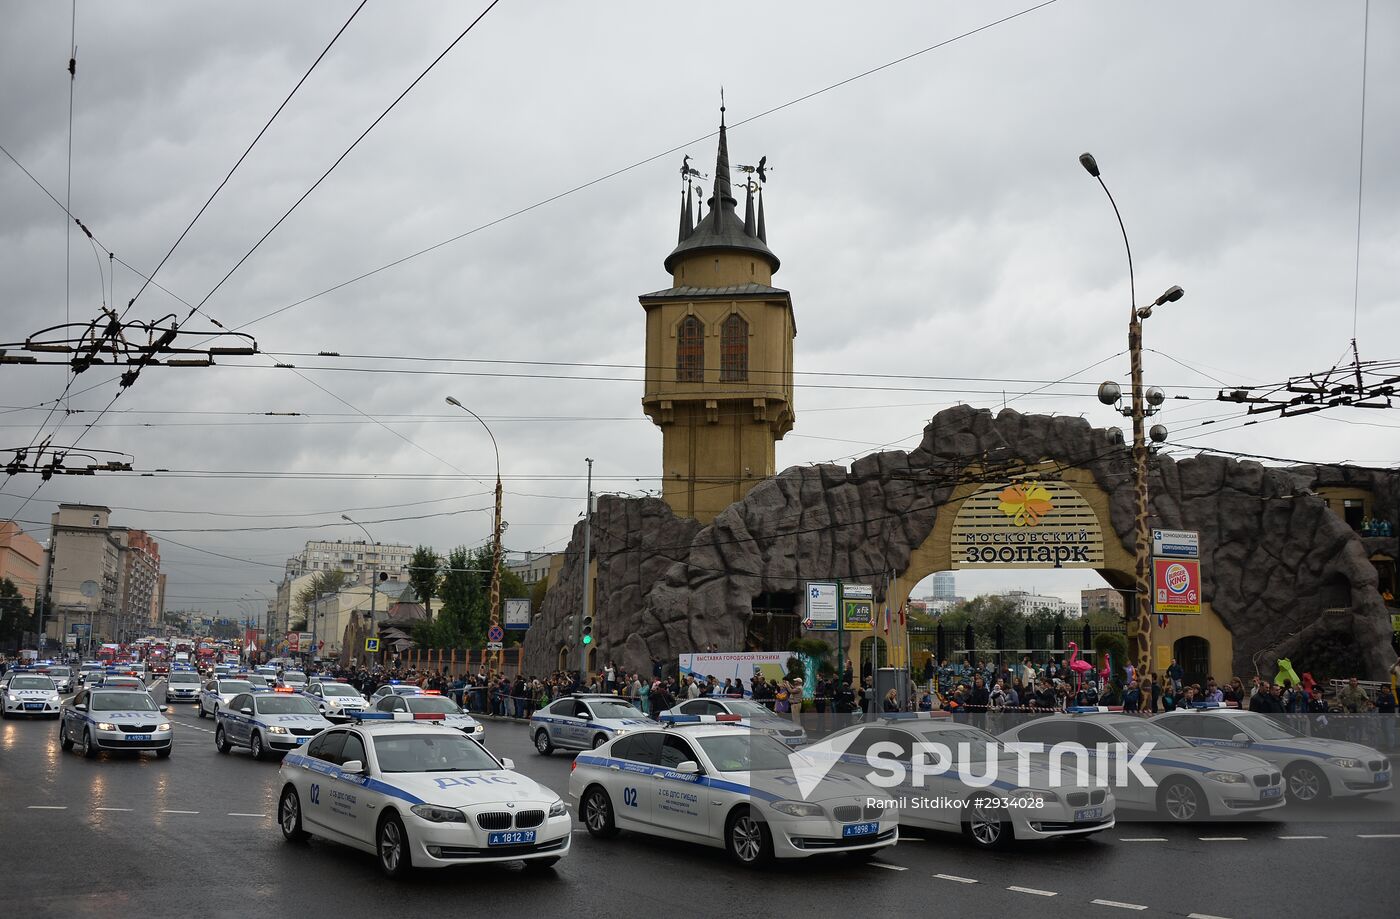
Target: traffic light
(588, 630)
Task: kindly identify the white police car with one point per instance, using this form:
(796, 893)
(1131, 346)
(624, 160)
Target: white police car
(28, 694)
(182, 686)
(432, 702)
(115, 719)
(1314, 768)
(758, 716)
(584, 722)
(337, 701)
(935, 793)
(267, 722)
(296, 679)
(1187, 782)
(62, 676)
(709, 780)
(394, 688)
(418, 794)
(217, 693)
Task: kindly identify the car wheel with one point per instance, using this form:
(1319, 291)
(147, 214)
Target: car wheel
(220, 741)
(391, 842)
(598, 813)
(1180, 801)
(747, 838)
(255, 746)
(289, 816)
(599, 740)
(1306, 784)
(201, 710)
(89, 748)
(165, 754)
(985, 824)
(542, 864)
(64, 740)
(543, 745)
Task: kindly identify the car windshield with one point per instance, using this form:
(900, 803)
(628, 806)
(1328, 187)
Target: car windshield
(1137, 733)
(338, 689)
(31, 682)
(59, 671)
(441, 752)
(184, 677)
(293, 676)
(122, 702)
(257, 680)
(977, 737)
(1263, 727)
(748, 709)
(745, 752)
(433, 705)
(605, 709)
(234, 686)
(284, 705)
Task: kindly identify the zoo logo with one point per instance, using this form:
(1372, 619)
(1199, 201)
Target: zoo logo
(1025, 503)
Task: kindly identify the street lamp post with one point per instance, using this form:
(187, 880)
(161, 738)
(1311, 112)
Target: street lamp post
(373, 580)
(495, 599)
(1140, 624)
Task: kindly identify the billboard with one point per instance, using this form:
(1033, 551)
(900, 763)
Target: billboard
(1176, 544)
(739, 664)
(857, 607)
(1176, 585)
(822, 608)
(517, 613)
(1026, 524)
(294, 642)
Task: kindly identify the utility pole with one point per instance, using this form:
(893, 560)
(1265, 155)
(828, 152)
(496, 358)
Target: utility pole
(495, 596)
(587, 576)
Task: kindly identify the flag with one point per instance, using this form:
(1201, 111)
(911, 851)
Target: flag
(1161, 620)
(887, 617)
(902, 612)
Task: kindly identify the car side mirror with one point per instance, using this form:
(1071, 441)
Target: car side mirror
(80, 707)
(165, 708)
(507, 763)
(354, 766)
(1241, 738)
(688, 767)
(247, 711)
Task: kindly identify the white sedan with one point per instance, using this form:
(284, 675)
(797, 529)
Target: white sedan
(418, 795)
(726, 786)
(218, 692)
(28, 694)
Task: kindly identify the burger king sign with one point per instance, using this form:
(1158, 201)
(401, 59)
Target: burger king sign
(1177, 585)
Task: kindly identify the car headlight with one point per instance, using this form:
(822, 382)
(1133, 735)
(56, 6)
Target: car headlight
(1228, 778)
(435, 814)
(618, 732)
(1345, 762)
(798, 808)
(106, 726)
(557, 809)
(1035, 797)
(14, 698)
(276, 729)
(53, 698)
(162, 727)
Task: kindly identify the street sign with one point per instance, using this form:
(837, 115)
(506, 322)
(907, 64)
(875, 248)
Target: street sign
(1176, 544)
(493, 646)
(71, 640)
(495, 635)
(372, 645)
(857, 607)
(1176, 585)
(821, 607)
(517, 613)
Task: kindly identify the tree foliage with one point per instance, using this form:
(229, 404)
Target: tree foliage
(424, 576)
(465, 590)
(15, 615)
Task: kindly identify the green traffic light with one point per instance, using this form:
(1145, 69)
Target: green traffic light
(588, 639)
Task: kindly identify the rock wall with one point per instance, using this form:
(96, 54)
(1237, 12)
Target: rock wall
(1273, 557)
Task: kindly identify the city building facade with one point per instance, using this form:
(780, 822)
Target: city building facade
(361, 560)
(21, 561)
(531, 567)
(1101, 600)
(82, 581)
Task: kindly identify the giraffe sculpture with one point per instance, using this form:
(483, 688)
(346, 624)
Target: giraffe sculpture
(1140, 624)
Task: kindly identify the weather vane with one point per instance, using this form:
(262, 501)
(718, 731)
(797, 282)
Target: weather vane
(761, 170)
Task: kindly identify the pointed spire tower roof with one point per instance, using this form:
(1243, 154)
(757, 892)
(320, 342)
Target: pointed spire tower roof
(722, 228)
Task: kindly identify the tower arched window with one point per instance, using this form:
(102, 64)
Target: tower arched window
(734, 350)
(690, 351)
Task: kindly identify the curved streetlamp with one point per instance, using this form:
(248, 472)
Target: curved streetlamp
(495, 600)
(373, 585)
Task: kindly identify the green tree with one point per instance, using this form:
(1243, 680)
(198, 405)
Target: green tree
(538, 592)
(424, 576)
(324, 582)
(460, 592)
(14, 614)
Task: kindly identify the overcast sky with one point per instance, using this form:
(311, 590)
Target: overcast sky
(931, 219)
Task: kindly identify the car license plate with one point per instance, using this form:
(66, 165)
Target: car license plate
(33, 706)
(860, 829)
(302, 740)
(1088, 813)
(138, 737)
(1382, 777)
(511, 838)
(1271, 792)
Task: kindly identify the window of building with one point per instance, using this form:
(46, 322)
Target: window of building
(690, 351)
(734, 350)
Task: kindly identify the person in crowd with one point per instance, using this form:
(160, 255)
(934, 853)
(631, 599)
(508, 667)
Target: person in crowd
(1213, 692)
(1353, 698)
(1175, 674)
(891, 702)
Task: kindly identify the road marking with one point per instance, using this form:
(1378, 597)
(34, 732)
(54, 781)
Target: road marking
(259, 816)
(1203, 916)
(955, 879)
(1222, 839)
(1135, 839)
(1032, 890)
(124, 810)
(47, 807)
(887, 867)
(1378, 835)
(1118, 904)
(179, 812)
(1302, 837)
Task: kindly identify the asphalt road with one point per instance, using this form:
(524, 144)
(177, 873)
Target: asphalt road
(194, 834)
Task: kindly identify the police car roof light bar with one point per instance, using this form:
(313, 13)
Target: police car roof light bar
(1086, 709)
(668, 719)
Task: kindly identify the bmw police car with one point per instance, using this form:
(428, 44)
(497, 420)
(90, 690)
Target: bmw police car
(431, 702)
(1189, 782)
(708, 780)
(584, 722)
(418, 794)
(394, 688)
(335, 700)
(758, 716)
(218, 692)
(115, 719)
(182, 686)
(23, 693)
(1314, 768)
(267, 722)
(992, 816)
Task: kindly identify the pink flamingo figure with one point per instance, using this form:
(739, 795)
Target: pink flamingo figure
(1106, 671)
(1080, 667)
